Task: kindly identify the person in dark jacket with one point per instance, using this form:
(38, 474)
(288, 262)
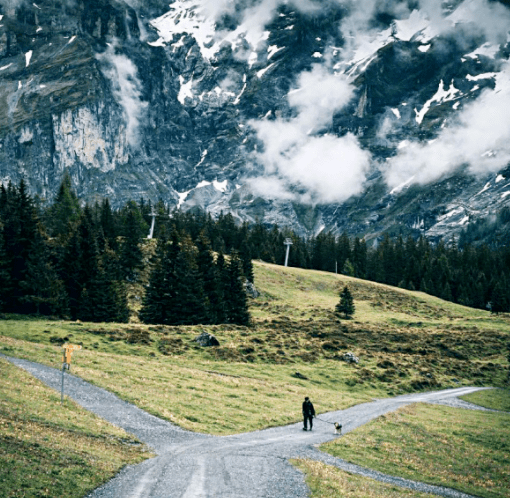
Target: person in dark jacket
(308, 413)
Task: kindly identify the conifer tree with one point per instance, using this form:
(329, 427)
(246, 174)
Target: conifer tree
(70, 272)
(348, 268)
(65, 211)
(500, 301)
(103, 299)
(223, 279)
(246, 262)
(5, 276)
(346, 305)
(108, 224)
(20, 227)
(158, 293)
(236, 301)
(43, 291)
(188, 306)
(359, 257)
(131, 253)
(212, 289)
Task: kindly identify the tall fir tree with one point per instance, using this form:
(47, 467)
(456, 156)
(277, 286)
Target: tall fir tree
(131, 252)
(103, 299)
(188, 304)
(43, 290)
(5, 276)
(63, 215)
(221, 309)
(70, 271)
(209, 275)
(157, 296)
(20, 228)
(236, 301)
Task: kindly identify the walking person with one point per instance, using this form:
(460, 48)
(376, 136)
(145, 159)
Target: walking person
(308, 413)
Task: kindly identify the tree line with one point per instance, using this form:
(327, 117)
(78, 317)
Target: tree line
(75, 261)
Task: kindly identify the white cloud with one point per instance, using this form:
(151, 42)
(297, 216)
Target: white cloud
(127, 89)
(479, 139)
(296, 160)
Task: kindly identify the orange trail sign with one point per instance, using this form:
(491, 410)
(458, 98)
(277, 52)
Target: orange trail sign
(66, 362)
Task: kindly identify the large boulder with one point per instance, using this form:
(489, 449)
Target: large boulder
(206, 340)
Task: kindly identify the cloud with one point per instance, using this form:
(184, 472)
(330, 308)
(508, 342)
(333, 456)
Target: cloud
(127, 90)
(299, 163)
(479, 138)
(11, 4)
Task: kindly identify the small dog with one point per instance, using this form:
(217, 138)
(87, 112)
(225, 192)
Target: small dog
(338, 428)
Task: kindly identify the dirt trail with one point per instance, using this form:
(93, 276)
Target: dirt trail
(251, 465)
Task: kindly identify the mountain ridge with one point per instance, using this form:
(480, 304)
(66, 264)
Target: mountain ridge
(281, 112)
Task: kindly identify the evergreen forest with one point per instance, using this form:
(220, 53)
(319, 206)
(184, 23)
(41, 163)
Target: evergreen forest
(76, 261)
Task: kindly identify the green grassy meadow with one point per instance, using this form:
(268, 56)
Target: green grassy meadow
(461, 449)
(326, 481)
(48, 449)
(406, 341)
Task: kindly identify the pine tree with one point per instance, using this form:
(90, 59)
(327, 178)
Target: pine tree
(5, 276)
(159, 291)
(346, 305)
(108, 224)
(359, 257)
(208, 271)
(43, 291)
(104, 299)
(343, 251)
(64, 214)
(20, 228)
(235, 296)
(188, 306)
(348, 268)
(70, 272)
(500, 301)
(246, 262)
(131, 253)
(221, 311)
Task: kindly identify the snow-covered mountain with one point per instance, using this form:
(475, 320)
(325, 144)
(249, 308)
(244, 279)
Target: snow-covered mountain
(354, 115)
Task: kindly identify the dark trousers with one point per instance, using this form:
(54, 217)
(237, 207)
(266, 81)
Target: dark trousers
(308, 418)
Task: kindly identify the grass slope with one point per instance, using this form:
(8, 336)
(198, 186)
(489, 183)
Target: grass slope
(497, 399)
(51, 450)
(326, 481)
(406, 341)
(461, 449)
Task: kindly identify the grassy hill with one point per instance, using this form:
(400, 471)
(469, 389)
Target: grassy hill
(405, 341)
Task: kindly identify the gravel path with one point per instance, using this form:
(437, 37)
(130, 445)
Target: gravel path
(250, 465)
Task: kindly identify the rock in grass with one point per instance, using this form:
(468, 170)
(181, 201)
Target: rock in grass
(350, 358)
(251, 290)
(298, 375)
(206, 340)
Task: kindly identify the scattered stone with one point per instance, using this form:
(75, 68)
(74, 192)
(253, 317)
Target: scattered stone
(251, 290)
(207, 340)
(350, 358)
(59, 340)
(298, 375)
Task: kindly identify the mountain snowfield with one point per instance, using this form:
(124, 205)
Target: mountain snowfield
(318, 115)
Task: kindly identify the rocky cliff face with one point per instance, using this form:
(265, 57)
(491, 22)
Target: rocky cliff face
(332, 115)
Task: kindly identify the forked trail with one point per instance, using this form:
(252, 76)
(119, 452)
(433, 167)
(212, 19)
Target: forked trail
(250, 465)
